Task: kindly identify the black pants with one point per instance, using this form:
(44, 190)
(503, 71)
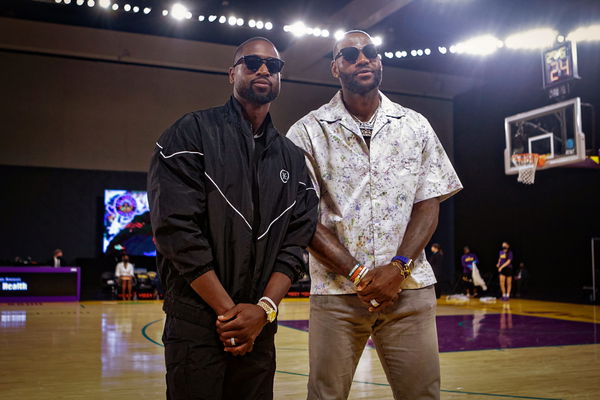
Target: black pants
(199, 369)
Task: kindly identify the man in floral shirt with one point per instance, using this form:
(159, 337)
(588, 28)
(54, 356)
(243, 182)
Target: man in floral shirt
(381, 173)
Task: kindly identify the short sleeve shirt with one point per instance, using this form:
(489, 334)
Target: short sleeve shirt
(367, 195)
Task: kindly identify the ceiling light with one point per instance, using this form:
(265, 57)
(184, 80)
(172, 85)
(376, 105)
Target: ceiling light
(298, 29)
(398, 54)
(165, 13)
(232, 20)
(268, 26)
(115, 7)
(325, 33)
(222, 19)
(127, 7)
(91, 3)
(147, 10)
(479, 45)
(212, 18)
(201, 18)
(104, 3)
(413, 53)
(586, 33)
(136, 9)
(179, 11)
(377, 40)
(252, 24)
(427, 52)
(239, 21)
(339, 34)
(442, 50)
(532, 39)
(259, 25)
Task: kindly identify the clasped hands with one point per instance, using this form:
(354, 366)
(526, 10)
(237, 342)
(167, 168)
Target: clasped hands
(381, 284)
(243, 323)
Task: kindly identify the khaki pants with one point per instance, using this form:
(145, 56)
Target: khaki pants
(405, 337)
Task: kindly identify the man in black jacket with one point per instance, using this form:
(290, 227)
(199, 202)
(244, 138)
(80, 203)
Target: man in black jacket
(232, 210)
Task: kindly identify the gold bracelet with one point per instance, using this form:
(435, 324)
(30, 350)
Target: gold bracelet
(404, 269)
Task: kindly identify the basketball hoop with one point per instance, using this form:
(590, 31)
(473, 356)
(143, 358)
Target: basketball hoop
(527, 164)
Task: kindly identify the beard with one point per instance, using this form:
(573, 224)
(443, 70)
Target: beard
(353, 84)
(253, 96)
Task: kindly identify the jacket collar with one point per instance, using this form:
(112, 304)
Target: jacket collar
(234, 113)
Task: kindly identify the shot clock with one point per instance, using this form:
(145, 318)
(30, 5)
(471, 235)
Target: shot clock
(559, 68)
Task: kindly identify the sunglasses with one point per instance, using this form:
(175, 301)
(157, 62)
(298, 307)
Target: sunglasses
(253, 63)
(351, 54)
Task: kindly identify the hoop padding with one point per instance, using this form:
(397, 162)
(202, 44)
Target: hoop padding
(526, 163)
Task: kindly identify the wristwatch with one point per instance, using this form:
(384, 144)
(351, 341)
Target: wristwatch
(404, 264)
(266, 305)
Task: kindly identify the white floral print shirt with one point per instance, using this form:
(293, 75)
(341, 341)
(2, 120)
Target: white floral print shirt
(367, 196)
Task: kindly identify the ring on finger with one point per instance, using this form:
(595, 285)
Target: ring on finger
(374, 303)
(232, 341)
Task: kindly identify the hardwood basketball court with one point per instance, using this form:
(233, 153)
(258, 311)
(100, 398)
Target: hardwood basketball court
(111, 350)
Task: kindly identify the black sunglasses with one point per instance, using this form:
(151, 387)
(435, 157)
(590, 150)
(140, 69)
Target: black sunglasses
(351, 54)
(253, 63)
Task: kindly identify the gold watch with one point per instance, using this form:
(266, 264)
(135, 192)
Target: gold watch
(271, 313)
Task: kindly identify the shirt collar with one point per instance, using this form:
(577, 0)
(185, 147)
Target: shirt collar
(335, 110)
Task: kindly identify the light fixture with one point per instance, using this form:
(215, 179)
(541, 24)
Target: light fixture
(413, 53)
(212, 18)
(377, 40)
(127, 7)
(259, 25)
(252, 23)
(104, 3)
(239, 21)
(232, 20)
(201, 18)
(427, 52)
(442, 50)
(222, 19)
(532, 39)
(398, 54)
(115, 6)
(268, 26)
(479, 45)
(91, 3)
(339, 34)
(179, 11)
(136, 9)
(586, 33)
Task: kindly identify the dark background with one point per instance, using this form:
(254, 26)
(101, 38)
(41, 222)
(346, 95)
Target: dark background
(549, 224)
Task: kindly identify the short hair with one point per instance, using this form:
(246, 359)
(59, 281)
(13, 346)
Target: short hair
(239, 49)
(350, 32)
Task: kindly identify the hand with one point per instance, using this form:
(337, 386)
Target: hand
(382, 284)
(244, 322)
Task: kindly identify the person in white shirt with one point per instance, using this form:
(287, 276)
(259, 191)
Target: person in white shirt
(57, 258)
(381, 174)
(124, 272)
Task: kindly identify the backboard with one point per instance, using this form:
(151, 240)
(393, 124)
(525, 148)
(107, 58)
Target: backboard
(553, 131)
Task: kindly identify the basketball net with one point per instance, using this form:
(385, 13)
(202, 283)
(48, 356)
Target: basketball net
(527, 164)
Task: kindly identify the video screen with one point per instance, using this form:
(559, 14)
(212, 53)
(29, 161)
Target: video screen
(127, 223)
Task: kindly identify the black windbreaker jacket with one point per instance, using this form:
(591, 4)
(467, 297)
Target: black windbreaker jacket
(200, 189)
